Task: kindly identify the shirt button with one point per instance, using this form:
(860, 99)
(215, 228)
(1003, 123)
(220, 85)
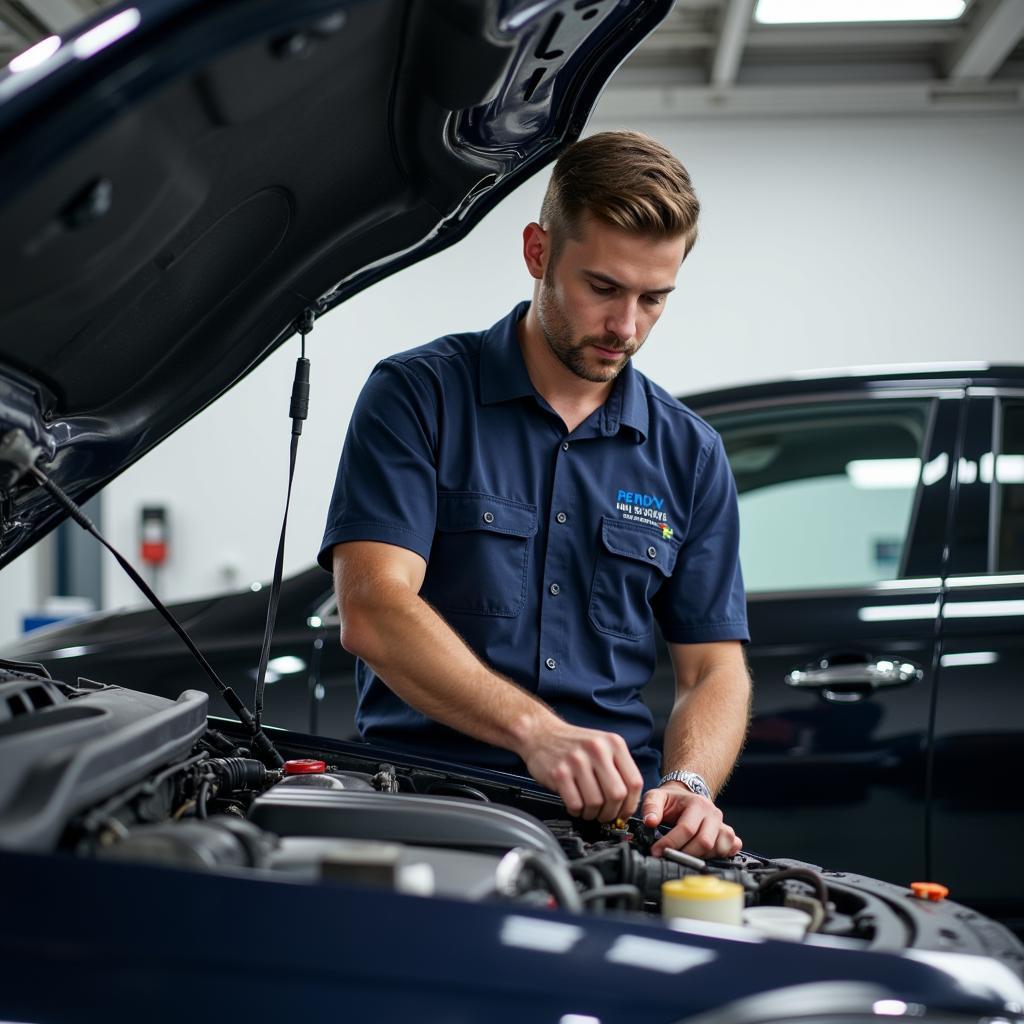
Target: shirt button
(652, 552)
(565, 446)
(555, 589)
(561, 517)
(488, 517)
(551, 663)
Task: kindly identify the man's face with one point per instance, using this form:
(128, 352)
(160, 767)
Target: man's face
(599, 300)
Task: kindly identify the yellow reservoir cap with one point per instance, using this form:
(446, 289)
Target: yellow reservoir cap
(703, 897)
(701, 887)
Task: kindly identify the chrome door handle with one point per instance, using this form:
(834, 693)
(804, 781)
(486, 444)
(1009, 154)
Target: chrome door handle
(847, 682)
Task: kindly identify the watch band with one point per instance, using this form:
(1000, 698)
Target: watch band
(691, 780)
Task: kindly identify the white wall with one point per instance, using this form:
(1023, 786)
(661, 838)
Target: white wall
(823, 243)
(17, 594)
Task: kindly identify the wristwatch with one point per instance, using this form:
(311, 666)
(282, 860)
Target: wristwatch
(691, 780)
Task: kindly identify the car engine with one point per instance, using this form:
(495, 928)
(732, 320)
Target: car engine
(100, 771)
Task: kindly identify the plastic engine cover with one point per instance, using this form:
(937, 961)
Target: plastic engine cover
(440, 821)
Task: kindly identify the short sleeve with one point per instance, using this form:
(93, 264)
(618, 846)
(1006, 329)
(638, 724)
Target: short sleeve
(704, 599)
(386, 488)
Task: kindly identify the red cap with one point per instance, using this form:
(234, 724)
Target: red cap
(304, 766)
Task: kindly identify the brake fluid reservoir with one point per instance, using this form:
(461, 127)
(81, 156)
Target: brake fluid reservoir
(703, 897)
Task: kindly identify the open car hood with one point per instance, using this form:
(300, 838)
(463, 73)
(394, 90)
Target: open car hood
(184, 178)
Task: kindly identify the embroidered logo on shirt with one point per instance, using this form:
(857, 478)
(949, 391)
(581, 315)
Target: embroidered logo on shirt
(666, 531)
(643, 508)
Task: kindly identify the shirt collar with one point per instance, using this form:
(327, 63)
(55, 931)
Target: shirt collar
(626, 405)
(503, 377)
(503, 373)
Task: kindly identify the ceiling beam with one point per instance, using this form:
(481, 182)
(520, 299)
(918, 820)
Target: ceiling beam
(889, 36)
(988, 42)
(19, 22)
(58, 15)
(729, 49)
(774, 37)
(826, 100)
(11, 44)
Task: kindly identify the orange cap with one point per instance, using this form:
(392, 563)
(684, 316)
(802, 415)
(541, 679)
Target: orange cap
(933, 891)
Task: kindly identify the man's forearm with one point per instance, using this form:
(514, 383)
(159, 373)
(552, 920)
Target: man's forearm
(426, 663)
(708, 724)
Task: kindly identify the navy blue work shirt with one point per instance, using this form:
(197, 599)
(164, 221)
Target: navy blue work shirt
(551, 553)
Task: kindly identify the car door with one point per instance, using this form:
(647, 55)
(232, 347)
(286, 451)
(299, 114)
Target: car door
(843, 505)
(977, 824)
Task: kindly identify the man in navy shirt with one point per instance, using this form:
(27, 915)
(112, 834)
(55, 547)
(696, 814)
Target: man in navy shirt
(516, 508)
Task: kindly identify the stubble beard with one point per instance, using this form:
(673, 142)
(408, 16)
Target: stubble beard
(557, 331)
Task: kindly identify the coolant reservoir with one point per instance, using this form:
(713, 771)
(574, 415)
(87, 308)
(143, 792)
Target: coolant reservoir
(778, 922)
(703, 897)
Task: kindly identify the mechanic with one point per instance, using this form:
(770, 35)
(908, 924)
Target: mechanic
(514, 509)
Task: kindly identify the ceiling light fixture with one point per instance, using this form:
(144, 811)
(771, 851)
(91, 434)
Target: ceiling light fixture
(792, 12)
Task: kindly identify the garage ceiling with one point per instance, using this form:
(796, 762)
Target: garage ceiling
(711, 58)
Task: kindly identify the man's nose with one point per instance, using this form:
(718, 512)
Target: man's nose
(622, 320)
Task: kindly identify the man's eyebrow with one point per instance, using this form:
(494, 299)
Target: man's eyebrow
(605, 279)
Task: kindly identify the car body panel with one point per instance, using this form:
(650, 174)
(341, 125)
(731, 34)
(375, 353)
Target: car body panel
(335, 951)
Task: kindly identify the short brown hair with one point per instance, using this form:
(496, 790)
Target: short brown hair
(623, 179)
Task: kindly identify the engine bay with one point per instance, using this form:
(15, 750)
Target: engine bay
(103, 772)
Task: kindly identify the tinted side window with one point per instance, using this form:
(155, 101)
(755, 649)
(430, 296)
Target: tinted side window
(1009, 484)
(826, 492)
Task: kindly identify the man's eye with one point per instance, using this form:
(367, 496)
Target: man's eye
(602, 289)
(654, 300)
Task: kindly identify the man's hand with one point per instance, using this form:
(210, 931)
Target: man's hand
(699, 828)
(592, 771)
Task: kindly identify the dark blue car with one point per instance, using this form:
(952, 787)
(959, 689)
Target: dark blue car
(184, 184)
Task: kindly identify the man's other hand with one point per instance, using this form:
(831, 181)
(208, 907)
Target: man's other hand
(698, 825)
(592, 771)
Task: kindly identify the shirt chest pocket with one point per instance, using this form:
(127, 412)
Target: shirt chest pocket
(480, 555)
(631, 565)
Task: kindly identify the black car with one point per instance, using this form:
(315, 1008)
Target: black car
(883, 551)
(187, 185)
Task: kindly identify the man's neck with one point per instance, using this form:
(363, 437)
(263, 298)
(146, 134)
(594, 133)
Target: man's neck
(572, 397)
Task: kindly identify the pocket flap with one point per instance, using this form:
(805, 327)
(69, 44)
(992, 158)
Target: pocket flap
(458, 511)
(639, 542)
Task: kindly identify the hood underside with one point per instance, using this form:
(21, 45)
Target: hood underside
(183, 179)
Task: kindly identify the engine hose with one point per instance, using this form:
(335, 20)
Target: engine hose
(554, 874)
(234, 773)
(630, 893)
(620, 873)
(611, 853)
(219, 742)
(799, 874)
(201, 797)
(591, 878)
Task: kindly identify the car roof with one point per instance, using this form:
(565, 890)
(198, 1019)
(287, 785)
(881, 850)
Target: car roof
(862, 380)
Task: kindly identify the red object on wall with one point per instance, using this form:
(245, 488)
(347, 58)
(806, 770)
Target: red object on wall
(153, 535)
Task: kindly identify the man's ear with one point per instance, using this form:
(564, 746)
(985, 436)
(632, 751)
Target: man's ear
(536, 249)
